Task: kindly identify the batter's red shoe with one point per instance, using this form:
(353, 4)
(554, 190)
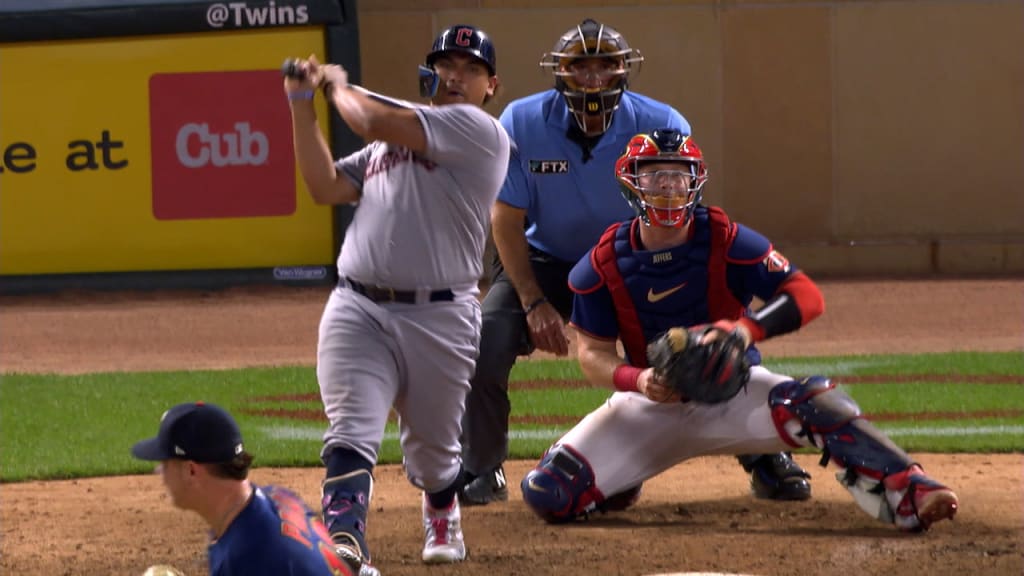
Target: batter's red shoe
(444, 542)
(919, 501)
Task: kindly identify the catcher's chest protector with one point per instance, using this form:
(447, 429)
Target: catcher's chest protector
(655, 291)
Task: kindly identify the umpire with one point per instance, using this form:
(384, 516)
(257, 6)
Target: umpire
(556, 201)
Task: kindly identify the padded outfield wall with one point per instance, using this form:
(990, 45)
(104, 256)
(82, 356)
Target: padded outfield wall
(866, 137)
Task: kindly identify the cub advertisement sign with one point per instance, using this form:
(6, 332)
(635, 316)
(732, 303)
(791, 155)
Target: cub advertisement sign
(220, 145)
(155, 153)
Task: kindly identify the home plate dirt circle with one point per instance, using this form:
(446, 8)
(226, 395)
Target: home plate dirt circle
(700, 574)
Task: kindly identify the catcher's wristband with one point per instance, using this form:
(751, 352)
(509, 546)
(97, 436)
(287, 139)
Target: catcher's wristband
(625, 378)
(757, 332)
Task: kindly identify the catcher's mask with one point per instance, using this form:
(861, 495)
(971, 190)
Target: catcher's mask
(458, 38)
(661, 175)
(591, 63)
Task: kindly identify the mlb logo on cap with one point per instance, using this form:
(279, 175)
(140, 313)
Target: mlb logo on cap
(193, 431)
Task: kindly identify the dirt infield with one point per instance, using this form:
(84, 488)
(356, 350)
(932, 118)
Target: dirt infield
(696, 517)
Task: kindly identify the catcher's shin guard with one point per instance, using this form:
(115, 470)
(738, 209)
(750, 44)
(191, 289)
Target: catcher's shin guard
(561, 488)
(345, 499)
(813, 412)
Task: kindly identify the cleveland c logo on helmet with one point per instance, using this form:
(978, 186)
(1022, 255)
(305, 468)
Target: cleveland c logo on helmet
(458, 38)
(468, 39)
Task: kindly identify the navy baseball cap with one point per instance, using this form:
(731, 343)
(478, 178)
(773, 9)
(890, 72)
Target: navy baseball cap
(194, 431)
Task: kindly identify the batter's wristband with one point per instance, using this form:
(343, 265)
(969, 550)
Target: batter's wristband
(301, 95)
(533, 305)
(626, 377)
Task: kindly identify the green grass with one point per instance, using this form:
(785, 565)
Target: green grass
(964, 363)
(921, 397)
(556, 401)
(73, 426)
(546, 370)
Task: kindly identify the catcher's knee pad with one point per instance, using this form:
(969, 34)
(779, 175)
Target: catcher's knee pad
(561, 488)
(813, 411)
(345, 500)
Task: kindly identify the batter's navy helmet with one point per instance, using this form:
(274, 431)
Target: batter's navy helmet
(468, 39)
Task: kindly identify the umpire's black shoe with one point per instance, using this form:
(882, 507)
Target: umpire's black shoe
(484, 489)
(776, 477)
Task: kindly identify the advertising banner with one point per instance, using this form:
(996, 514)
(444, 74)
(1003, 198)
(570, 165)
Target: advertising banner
(151, 153)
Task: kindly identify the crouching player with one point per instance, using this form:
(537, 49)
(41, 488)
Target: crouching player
(682, 264)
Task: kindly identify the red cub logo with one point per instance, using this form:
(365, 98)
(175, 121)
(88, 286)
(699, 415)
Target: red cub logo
(221, 145)
(463, 36)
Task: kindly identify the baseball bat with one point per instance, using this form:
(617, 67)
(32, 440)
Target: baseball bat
(292, 69)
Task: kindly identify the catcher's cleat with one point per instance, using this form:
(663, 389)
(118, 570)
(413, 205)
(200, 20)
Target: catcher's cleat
(346, 549)
(921, 500)
(444, 542)
(483, 490)
(622, 500)
(776, 477)
(934, 505)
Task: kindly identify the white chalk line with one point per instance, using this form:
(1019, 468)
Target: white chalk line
(282, 432)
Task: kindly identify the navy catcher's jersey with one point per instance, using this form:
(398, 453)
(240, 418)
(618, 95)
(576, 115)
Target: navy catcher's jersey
(669, 288)
(276, 534)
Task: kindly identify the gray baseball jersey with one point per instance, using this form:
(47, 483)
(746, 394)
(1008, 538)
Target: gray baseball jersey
(420, 225)
(422, 221)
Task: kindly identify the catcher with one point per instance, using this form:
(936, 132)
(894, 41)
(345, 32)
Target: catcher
(674, 286)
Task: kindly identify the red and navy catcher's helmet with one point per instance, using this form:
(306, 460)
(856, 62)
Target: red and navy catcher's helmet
(657, 197)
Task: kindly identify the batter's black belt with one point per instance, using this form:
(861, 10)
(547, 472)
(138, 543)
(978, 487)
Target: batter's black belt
(383, 294)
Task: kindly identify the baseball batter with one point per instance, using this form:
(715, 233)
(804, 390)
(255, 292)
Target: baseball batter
(679, 263)
(402, 327)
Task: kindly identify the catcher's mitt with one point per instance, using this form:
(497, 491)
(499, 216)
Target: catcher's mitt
(707, 373)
